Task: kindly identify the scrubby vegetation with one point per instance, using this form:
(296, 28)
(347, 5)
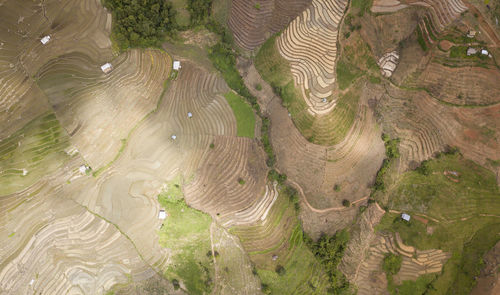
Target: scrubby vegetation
(223, 58)
(458, 198)
(391, 153)
(140, 24)
(392, 264)
(329, 250)
(186, 233)
(420, 39)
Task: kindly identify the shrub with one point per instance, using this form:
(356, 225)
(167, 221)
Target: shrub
(329, 250)
(212, 145)
(241, 181)
(273, 175)
(424, 168)
(265, 289)
(176, 284)
(258, 87)
(336, 187)
(392, 264)
(280, 270)
(346, 203)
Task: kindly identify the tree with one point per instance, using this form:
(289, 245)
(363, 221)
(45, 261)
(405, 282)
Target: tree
(392, 264)
(140, 23)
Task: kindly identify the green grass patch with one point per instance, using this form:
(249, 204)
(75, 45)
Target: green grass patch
(35, 150)
(463, 197)
(302, 275)
(346, 74)
(361, 6)
(186, 232)
(417, 287)
(273, 68)
(245, 118)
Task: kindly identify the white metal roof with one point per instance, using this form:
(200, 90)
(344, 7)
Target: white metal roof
(82, 169)
(45, 39)
(405, 216)
(177, 65)
(106, 67)
(162, 214)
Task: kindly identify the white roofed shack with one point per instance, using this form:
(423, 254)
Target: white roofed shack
(176, 65)
(45, 39)
(405, 217)
(162, 214)
(106, 68)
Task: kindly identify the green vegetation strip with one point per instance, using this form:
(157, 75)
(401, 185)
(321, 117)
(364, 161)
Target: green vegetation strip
(245, 119)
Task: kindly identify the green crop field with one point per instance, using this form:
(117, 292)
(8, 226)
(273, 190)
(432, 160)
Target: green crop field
(461, 201)
(38, 148)
(245, 118)
(186, 232)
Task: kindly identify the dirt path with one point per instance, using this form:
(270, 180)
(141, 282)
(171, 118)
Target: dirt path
(303, 197)
(421, 215)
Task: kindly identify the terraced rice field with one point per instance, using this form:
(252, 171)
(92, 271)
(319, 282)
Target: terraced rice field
(317, 168)
(276, 239)
(54, 218)
(442, 12)
(454, 208)
(252, 22)
(23, 24)
(123, 198)
(415, 263)
(310, 45)
(98, 110)
(462, 85)
(425, 126)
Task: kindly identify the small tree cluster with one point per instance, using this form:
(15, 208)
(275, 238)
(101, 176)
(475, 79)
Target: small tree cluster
(273, 175)
(140, 23)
